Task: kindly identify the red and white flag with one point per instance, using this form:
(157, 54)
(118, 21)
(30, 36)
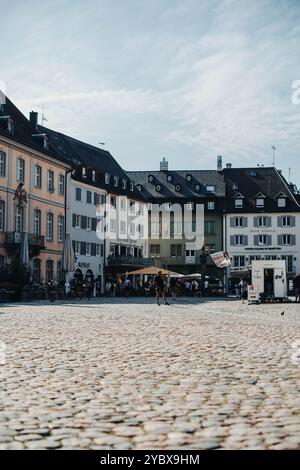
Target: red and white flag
(221, 259)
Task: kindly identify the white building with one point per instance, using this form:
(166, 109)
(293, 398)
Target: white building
(262, 219)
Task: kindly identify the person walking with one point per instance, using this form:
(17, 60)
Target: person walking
(160, 288)
(297, 287)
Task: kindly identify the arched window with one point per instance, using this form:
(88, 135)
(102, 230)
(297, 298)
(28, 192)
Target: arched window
(18, 219)
(20, 170)
(49, 227)
(37, 222)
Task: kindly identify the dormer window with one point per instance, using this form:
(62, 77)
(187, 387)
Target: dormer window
(158, 188)
(239, 203)
(235, 186)
(260, 202)
(253, 174)
(131, 186)
(139, 186)
(150, 178)
(83, 172)
(45, 143)
(178, 187)
(93, 176)
(116, 181)
(281, 200)
(10, 125)
(124, 184)
(189, 178)
(107, 178)
(169, 178)
(197, 187)
(210, 188)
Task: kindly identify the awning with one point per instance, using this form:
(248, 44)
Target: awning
(152, 271)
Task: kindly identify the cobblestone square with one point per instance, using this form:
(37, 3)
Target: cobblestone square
(117, 374)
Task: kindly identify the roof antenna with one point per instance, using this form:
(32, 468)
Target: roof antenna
(44, 119)
(274, 148)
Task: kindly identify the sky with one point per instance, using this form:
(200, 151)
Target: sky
(185, 80)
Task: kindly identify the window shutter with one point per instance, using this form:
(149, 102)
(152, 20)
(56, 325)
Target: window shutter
(94, 224)
(269, 240)
(293, 239)
(280, 239)
(83, 222)
(232, 240)
(245, 221)
(269, 221)
(256, 239)
(73, 244)
(293, 221)
(93, 249)
(279, 221)
(255, 222)
(83, 248)
(232, 222)
(245, 240)
(74, 220)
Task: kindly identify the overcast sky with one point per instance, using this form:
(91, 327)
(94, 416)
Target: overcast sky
(186, 80)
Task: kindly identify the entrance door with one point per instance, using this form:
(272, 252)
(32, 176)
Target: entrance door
(269, 281)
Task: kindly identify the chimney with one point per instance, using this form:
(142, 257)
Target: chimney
(33, 118)
(228, 165)
(164, 165)
(219, 163)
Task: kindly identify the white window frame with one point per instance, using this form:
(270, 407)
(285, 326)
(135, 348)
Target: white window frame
(21, 170)
(88, 249)
(211, 205)
(37, 176)
(88, 223)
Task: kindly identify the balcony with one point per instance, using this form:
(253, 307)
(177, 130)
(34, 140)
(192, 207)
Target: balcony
(34, 241)
(128, 261)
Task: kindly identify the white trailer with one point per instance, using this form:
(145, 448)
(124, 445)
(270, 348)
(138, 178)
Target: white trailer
(269, 281)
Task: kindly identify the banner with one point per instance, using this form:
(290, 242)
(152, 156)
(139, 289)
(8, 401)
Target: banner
(221, 259)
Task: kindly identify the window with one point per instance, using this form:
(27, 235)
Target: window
(93, 176)
(20, 170)
(122, 227)
(2, 216)
(113, 202)
(286, 239)
(113, 225)
(2, 163)
(59, 272)
(49, 270)
(210, 189)
(197, 187)
(97, 249)
(132, 229)
(140, 230)
(235, 186)
(132, 207)
(262, 221)
(83, 172)
(76, 219)
(262, 239)
(78, 194)
(141, 209)
(150, 178)
(96, 199)
(18, 219)
(49, 227)
(210, 228)
(61, 223)
(260, 202)
(88, 249)
(50, 181)
(36, 271)
(155, 251)
(88, 223)
(211, 206)
(76, 248)
(189, 206)
(61, 185)
(189, 178)
(107, 178)
(238, 222)
(116, 181)
(286, 221)
(168, 206)
(37, 222)
(281, 202)
(239, 203)
(123, 204)
(131, 186)
(176, 251)
(239, 261)
(89, 197)
(124, 184)
(38, 176)
(239, 240)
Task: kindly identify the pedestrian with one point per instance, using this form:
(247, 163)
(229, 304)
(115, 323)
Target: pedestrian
(297, 287)
(244, 294)
(160, 288)
(127, 287)
(206, 285)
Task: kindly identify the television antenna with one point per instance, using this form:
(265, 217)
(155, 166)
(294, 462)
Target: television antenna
(44, 119)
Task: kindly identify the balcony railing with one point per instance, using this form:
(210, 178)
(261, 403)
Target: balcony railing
(128, 261)
(14, 238)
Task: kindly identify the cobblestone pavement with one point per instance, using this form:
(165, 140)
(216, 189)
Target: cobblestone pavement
(130, 375)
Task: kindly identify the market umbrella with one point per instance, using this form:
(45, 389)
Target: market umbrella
(24, 251)
(152, 271)
(68, 259)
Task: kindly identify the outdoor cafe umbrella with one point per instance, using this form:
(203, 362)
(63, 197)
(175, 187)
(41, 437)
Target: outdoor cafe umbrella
(68, 259)
(24, 251)
(152, 271)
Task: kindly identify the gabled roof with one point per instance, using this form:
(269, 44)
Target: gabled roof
(255, 181)
(77, 152)
(23, 130)
(189, 190)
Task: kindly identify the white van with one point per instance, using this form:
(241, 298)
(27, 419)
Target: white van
(269, 281)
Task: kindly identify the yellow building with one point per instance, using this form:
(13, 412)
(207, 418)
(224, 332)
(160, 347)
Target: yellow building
(32, 194)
